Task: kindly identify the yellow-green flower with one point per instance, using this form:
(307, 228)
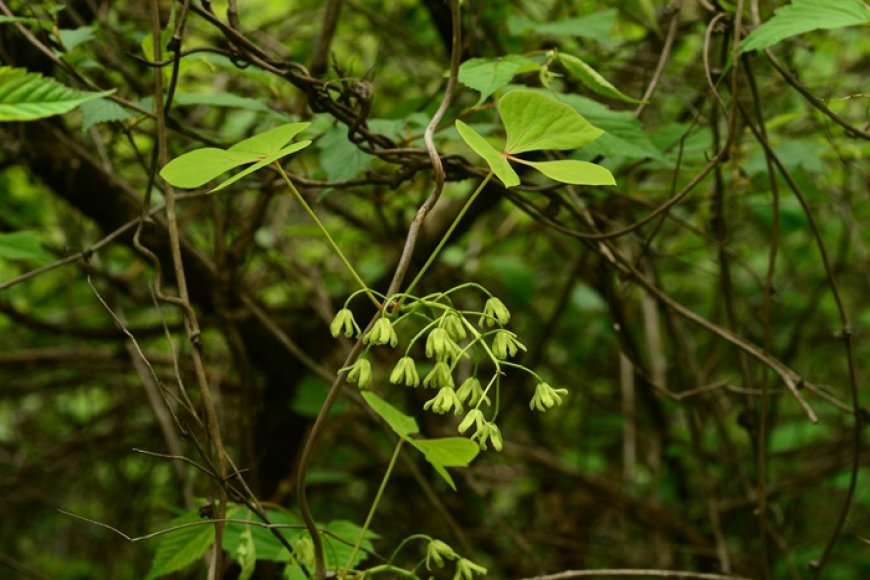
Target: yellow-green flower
(382, 333)
(474, 417)
(436, 551)
(471, 391)
(439, 376)
(505, 344)
(546, 397)
(343, 323)
(466, 570)
(452, 323)
(494, 311)
(488, 431)
(444, 402)
(441, 346)
(360, 372)
(405, 373)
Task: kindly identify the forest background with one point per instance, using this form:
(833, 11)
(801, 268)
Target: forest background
(166, 351)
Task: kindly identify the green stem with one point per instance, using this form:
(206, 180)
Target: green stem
(374, 507)
(383, 568)
(449, 232)
(328, 237)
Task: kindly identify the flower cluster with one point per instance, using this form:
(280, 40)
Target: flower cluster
(446, 339)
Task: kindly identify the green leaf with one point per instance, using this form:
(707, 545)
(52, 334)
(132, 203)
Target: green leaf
(595, 26)
(180, 548)
(25, 96)
(573, 171)
(487, 75)
(403, 425)
(269, 142)
(535, 121)
(624, 136)
(340, 158)
(72, 37)
(448, 451)
(292, 148)
(267, 547)
(22, 246)
(337, 552)
(804, 16)
(246, 554)
(592, 79)
(102, 111)
(496, 161)
(198, 167)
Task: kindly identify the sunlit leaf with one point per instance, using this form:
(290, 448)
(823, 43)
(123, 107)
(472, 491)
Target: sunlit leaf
(487, 75)
(496, 161)
(25, 96)
(804, 16)
(269, 142)
(592, 79)
(448, 451)
(198, 167)
(404, 425)
(573, 171)
(292, 148)
(535, 121)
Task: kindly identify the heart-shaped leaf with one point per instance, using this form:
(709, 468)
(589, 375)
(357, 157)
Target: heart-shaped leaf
(592, 78)
(496, 161)
(487, 75)
(447, 452)
(534, 121)
(573, 171)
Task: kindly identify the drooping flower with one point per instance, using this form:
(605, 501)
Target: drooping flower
(474, 417)
(444, 402)
(505, 344)
(382, 333)
(471, 391)
(494, 311)
(360, 372)
(488, 431)
(441, 346)
(453, 324)
(436, 552)
(405, 373)
(546, 397)
(466, 570)
(439, 376)
(343, 323)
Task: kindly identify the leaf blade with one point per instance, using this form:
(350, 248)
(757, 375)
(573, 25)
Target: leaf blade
(592, 79)
(802, 16)
(574, 172)
(496, 161)
(404, 425)
(196, 168)
(27, 96)
(536, 121)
